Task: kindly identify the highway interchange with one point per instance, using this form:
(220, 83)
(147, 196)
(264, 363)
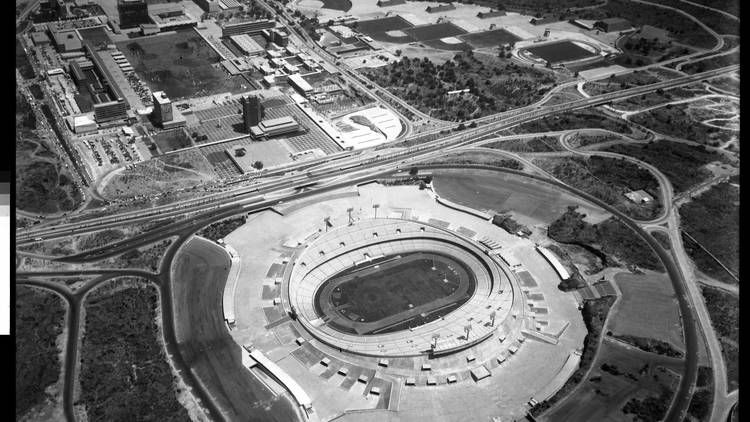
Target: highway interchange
(348, 168)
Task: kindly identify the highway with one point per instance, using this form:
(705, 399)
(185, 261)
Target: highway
(361, 161)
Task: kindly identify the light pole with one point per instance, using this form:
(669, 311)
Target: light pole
(375, 207)
(492, 318)
(435, 338)
(349, 211)
(467, 329)
(327, 222)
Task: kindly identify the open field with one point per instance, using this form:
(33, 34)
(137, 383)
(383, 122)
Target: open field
(648, 45)
(618, 376)
(494, 84)
(159, 175)
(563, 51)
(711, 63)
(713, 219)
(39, 320)
(497, 192)
(719, 23)
(729, 6)
(648, 308)
(171, 140)
(434, 31)
(474, 157)
(492, 38)
(659, 96)
(124, 373)
(181, 64)
(630, 80)
(199, 273)
(608, 179)
(681, 163)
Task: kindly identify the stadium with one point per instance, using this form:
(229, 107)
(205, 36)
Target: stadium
(401, 260)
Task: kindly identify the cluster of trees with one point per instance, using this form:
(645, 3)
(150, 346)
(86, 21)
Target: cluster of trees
(492, 87)
(124, 373)
(221, 229)
(39, 321)
(608, 239)
(652, 408)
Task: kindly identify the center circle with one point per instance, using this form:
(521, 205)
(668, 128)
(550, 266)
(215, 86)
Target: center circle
(394, 293)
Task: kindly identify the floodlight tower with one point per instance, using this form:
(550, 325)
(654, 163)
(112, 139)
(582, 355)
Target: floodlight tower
(467, 329)
(492, 318)
(435, 338)
(349, 211)
(375, 207)
(327, 222)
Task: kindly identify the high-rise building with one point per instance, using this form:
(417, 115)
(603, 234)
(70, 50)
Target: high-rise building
(132, 13)
(252, 111)
(162, 107)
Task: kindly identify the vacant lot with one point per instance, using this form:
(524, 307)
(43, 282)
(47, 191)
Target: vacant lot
(713, 219)
(540, 144)
(494, 85)
(686, 121)
(39, 319)
(343, 5)
(493, 38)
(575, 120)
(181, 64)
(171, 140)
(124, 373)
(563, 51)
(648, 308)
(681, 163)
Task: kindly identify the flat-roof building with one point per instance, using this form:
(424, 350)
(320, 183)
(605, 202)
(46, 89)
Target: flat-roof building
(208, 6)
(247, 44)
(389, 3)
(132, 13)
(66, 40)
(274, 127)
(162, 107)
(613, 25)
(491, 14)
(246, 27)
(40, 38)
(441, 8)
(300, 84)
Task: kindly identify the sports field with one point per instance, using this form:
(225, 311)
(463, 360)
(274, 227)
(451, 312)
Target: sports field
(493, 38)
(379, 29)
(563, 51)
(415, 288)
(434, 32)
(181, 64)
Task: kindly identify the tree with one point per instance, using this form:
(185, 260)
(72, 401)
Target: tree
(258, 165)
(413, 171)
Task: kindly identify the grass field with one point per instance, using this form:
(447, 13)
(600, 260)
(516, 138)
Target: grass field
(200, 272)
(498, 192)
(378, 29)
(434, 31)
(181, 64)
(648, 308)
(370, 295)
(493, 38)
(563, 51)
(343, 5)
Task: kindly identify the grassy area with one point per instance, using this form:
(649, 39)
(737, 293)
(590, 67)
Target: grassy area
(729, 6)
(712, 219)
(541, 144)
(221, 229)
(716, 21)
(538, 6)
(146, 257)
(651, 345)
(608, 179)
(681, 163)
(612, 240)
(124, 372)
(699, 409)
(99, 239)
(575, 120)
(39, 319)
(659, 96)
(594, 314)
(494, 84)
(724, 308)
(651, 408)
(479, 159)
(43, 184)
(171, 140)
